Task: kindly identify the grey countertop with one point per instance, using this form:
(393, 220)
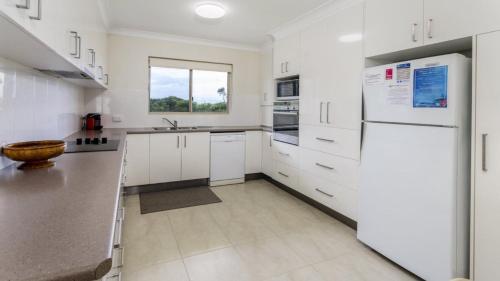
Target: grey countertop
(58, 223)
(211, 129)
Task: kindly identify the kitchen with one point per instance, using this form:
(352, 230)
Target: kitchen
(268, 140)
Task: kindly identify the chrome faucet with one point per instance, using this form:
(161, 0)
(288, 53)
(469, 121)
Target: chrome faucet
(174, 124)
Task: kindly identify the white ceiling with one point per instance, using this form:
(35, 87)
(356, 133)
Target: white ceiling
(246, 22)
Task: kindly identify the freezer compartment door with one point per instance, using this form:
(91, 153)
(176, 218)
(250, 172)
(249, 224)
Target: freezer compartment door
(433, 91)
(407, 208)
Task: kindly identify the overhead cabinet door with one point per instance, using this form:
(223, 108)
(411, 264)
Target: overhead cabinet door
(487, 161)
(393, 25)
(452, 19)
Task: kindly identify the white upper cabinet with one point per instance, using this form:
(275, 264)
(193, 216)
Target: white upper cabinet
(267, 80)
(68, 28)
(286, 56)
(393, 25)
(452, 19)
(331, 68)
(195, 156)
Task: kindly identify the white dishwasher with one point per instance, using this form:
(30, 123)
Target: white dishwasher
(227, 158)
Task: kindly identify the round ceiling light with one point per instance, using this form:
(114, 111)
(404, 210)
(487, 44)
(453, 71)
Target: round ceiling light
(210, 10)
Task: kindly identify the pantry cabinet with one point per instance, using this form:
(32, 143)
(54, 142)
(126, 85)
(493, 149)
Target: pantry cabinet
(395, 25)
(486, 163)
(137, 160)
(331, 68)
(286, 56)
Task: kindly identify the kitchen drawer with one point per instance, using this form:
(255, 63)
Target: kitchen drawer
(286, 174)
(118, 256)
(341, 142)
(336, 197)
(340, 170)
(286, 153)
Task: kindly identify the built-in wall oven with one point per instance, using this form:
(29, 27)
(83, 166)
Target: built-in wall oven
(287, 88)
(286, 121)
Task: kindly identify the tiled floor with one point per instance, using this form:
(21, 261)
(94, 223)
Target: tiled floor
(258, 233)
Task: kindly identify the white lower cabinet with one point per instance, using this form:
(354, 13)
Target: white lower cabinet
(286, 174)
(253, 148)
(341, 142)
(286, 153)
(336, 169)
(195, 156)
(165, 158)
(168, 157)
(137, 167)
(267, 154)
(339, 198)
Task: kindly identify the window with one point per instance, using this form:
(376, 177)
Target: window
(188, 86)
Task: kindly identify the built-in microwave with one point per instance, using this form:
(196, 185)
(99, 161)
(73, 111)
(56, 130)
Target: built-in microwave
(287, 89)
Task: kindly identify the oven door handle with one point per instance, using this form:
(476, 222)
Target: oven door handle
(286, 113)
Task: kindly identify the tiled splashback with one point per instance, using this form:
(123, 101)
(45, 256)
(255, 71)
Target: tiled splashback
(34, 106)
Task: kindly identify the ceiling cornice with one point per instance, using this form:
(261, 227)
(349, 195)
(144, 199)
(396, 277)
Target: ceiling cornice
(300, 23)
(104, 11)
(182, 39)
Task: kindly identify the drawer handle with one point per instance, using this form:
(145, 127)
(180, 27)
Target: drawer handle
(39, 12)
(284, 154)
(324, 166)
(118, 240)
(325, 140)
(122, 259)
(286, 176)
(324, 193)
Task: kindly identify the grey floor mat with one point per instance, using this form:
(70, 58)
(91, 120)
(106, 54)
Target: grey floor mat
(175, 199)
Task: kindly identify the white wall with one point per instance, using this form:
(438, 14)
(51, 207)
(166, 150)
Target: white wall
(128, 95)
(34, 106)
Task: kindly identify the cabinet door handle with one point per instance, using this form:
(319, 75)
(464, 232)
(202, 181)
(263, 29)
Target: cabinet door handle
(282, 71)
(75, 36)
(106, 80)
(270, 140)
(185, 141)
(25, 6)
(324, 193)
(101, 72)
(285, 175)
(429, 28)
(324, 166)
(325, 140)
(484, 167)
(79, 46)
(39, 12)
(178, 141)
(286, 67)
(284, 154)
(414, 32)
(321, 112)
(92, 57)
(328, 112)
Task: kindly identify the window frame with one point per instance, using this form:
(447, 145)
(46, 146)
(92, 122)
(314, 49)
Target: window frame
(229, 88)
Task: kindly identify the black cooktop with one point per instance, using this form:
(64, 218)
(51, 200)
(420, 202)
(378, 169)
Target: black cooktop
(91, 145)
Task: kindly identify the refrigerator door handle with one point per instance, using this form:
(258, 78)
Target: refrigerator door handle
(484, 167)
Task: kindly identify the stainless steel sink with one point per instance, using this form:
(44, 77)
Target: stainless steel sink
(173, 129)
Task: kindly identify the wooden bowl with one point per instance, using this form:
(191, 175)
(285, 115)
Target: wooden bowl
(34, 154)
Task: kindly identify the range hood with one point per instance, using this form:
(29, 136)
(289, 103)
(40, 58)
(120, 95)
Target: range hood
(67, 74)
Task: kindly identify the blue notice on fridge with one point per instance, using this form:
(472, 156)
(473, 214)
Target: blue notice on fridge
(430, 88)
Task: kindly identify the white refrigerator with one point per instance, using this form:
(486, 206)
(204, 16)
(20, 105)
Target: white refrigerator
(415, 165)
